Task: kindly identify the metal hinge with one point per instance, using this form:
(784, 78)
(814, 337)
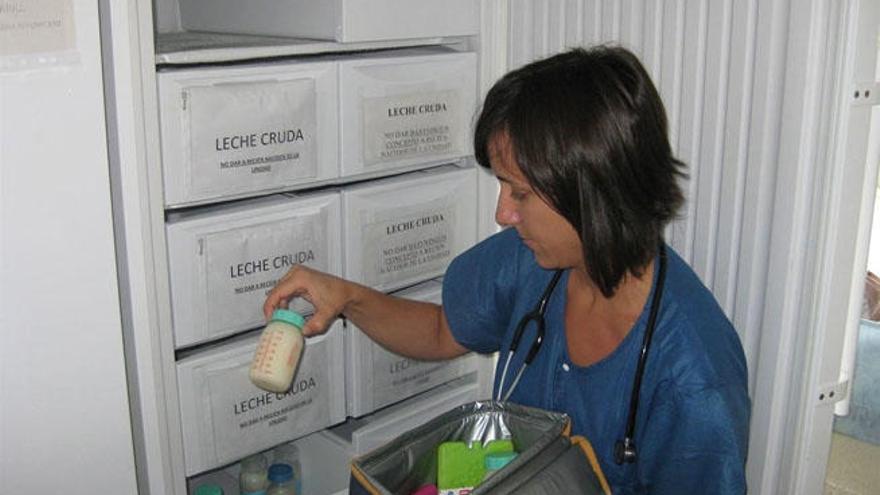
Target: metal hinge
(866, 93)
(832, 392)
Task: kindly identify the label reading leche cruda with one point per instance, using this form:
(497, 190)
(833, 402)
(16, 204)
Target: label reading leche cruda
(403, 127)
(402, 246)
(241, 266)
(246, 419)
(245, 137)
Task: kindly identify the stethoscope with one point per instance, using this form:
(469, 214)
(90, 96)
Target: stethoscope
(625, 448)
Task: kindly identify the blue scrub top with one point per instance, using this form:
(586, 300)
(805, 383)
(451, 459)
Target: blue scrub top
(692, 424)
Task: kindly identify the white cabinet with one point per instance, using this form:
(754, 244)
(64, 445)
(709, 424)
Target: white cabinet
(240, 175)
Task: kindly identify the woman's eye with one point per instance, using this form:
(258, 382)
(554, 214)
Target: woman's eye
(518, 195)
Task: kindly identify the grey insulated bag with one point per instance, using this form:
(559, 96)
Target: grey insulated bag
(549, 461)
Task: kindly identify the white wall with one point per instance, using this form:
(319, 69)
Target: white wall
(64, 416)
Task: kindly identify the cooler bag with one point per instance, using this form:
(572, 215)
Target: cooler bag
(549, 461)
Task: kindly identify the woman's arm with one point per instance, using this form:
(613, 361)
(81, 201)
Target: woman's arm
(414, 329)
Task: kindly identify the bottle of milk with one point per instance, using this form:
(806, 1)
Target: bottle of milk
(281, 480)
(278, 352)
(254, 476)
(288, 453)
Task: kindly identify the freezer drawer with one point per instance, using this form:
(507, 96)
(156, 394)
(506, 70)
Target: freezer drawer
(405, 230)
(376, 377)
(224, 417)
(325, 466)
(224, 259)
(340, 20)
(231, 132)
(407, 109)
(359, 436)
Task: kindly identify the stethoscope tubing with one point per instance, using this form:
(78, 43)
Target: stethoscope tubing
(536, 315)
(624, 449)
(646, 345)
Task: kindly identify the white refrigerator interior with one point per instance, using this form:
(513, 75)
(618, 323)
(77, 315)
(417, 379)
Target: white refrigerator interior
(64, 409)
(233, 173)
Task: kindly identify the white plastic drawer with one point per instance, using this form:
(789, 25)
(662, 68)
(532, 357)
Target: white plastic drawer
(405, 110)
(405, 230)
(223, 260)
(225, 417)
(362, 435)
(232, 132)
(325, 465)
(340, 20)
(376, 377)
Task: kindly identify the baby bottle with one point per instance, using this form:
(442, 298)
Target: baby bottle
(288, 453)
(278, 352)
(253, 477)
(281, 480)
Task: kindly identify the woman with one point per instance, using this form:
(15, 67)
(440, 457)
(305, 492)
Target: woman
(588, 183)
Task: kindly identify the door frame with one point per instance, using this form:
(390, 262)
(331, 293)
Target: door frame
(843, 216)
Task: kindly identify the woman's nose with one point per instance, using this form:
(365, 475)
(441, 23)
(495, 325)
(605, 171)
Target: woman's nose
(505, 212)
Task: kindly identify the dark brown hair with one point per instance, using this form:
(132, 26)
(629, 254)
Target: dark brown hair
(589, 133)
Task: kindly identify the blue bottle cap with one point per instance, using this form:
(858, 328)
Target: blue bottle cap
(280, 473)
(288, 316)
(498, 460)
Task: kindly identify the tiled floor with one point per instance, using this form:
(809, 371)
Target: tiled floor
(853, 467)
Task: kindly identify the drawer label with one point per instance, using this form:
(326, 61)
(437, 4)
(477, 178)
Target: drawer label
(401, 245)
(250, 136)
(240, 266)
(421, 125)
(245, 418)
(396, 377)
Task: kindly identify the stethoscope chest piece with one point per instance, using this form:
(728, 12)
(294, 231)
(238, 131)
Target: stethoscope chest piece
(624, 451)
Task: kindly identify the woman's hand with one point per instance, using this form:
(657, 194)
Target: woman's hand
(410, 328)
(328, 294)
